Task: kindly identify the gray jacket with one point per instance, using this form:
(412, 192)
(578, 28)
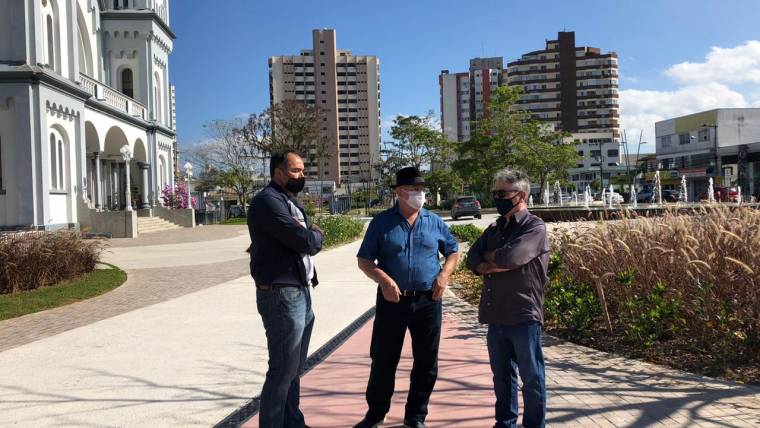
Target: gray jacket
(520, 245)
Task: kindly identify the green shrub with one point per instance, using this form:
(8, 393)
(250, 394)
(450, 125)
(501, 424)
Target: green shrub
(338, 229)
(33, 260)
(569, 304)
(466, 232)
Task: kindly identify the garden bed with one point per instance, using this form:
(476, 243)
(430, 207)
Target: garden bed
(677, 290)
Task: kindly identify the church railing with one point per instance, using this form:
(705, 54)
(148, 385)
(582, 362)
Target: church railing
(112, 97)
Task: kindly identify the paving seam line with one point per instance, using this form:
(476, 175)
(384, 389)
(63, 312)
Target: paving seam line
(251, 408)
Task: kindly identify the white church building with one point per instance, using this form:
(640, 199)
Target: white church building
(87, 127)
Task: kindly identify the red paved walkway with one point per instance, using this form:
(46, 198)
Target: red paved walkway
(332, 394)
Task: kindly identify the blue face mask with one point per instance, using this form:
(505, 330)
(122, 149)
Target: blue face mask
(504, 206)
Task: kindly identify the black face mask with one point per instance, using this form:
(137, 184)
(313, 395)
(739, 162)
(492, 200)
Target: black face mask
(504, 206)
(295, 185)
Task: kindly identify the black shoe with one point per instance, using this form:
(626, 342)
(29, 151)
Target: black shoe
(413, 424)
(369, 422)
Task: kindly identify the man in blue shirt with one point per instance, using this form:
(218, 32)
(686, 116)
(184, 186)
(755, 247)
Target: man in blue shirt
(400, 252)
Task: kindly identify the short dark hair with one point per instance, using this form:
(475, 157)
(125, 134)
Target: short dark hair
(280, 160)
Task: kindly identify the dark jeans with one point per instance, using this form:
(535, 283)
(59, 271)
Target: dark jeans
(422, 316)
(288, 320)
(512, 348)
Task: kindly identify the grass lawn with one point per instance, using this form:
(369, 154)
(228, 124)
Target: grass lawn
(93, 284)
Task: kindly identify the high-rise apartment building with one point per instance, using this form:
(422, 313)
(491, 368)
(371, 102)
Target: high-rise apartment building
(573, 88)
(465, 96)
(347, 89)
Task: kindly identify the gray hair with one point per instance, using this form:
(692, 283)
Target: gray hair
(517, 177)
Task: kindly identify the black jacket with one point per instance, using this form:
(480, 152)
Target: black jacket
(278, 240)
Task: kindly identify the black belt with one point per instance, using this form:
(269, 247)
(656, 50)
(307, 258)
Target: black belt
(412, 293)
(267, 287)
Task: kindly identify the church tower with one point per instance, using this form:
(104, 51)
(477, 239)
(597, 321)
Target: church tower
(137, 42)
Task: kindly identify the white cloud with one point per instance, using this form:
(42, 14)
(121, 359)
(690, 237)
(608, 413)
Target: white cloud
(640, 109)
(698, 86)
(740, 64)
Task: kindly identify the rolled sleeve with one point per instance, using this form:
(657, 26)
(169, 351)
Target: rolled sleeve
(522, 249)
(370, 247)
(447, 244)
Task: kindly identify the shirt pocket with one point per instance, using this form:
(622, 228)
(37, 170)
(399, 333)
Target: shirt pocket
(392, 244)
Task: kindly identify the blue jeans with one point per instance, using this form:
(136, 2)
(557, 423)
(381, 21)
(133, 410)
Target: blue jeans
(288, 321)
(512, 348)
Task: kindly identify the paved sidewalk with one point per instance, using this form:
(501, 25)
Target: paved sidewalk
(163, 270)
(587, 388)
(184, 361)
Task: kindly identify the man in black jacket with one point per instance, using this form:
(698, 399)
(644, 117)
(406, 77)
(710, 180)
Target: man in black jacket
(282, 244)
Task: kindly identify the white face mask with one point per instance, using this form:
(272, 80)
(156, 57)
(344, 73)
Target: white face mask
(415, 199)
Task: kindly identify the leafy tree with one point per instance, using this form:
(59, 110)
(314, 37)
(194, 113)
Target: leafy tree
(492, 143)
(544, 155)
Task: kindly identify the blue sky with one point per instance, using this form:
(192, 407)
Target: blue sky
(668, 65)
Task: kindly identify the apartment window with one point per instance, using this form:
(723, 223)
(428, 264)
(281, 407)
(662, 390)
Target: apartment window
(684, 138)
(580, 153)
(665, 141)
(613, 153)
(1, 166)
(704, 135)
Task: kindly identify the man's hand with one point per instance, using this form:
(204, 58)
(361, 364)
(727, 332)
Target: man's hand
(485, 268)
(391, 292)
(315, 227)
(440, 284)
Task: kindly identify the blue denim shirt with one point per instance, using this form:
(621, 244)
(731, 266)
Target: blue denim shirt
(409, 255)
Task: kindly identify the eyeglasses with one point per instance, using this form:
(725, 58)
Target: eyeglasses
(504, 194)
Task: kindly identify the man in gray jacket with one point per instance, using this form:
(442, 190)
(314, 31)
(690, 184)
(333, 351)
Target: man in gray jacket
(513, 257)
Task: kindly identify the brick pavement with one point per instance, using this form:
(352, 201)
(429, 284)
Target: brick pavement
(586, 388)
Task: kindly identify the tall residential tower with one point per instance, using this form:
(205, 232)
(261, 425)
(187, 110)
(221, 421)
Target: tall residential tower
(347, 88)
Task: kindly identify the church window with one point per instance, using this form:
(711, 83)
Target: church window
(127, 84)
(50, 42)
(53, 164)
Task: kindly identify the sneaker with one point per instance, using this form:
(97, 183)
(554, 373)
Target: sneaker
(369, 422)
(413, 424)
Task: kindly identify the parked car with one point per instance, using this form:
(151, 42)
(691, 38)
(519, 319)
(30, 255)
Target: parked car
(669, 195)
(464, 206)
(648, 196)
(617, 198)
(727, 194)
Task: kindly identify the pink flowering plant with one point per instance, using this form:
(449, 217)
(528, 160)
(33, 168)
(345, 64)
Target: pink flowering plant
(176, 198)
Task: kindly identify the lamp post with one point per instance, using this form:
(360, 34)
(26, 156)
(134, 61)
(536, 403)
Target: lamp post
(188, 174)
(716, 158)
(126, 154)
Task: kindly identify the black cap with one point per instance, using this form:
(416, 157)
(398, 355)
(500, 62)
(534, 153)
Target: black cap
(409, 176)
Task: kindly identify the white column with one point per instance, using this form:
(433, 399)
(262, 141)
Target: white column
(128, 190)
(144, 167)
(115, 185)
(97, 190)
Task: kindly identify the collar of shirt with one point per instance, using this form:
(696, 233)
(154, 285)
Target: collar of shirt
(397, 211)
(516, 219)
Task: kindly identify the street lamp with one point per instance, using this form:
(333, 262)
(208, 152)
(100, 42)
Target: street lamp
(126, 154)
(188, 174)
(716, 158)
(221, 202)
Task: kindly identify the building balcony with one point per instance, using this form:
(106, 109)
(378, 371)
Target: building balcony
(112, 97)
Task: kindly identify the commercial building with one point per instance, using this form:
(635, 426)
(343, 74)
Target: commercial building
(723, 144)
